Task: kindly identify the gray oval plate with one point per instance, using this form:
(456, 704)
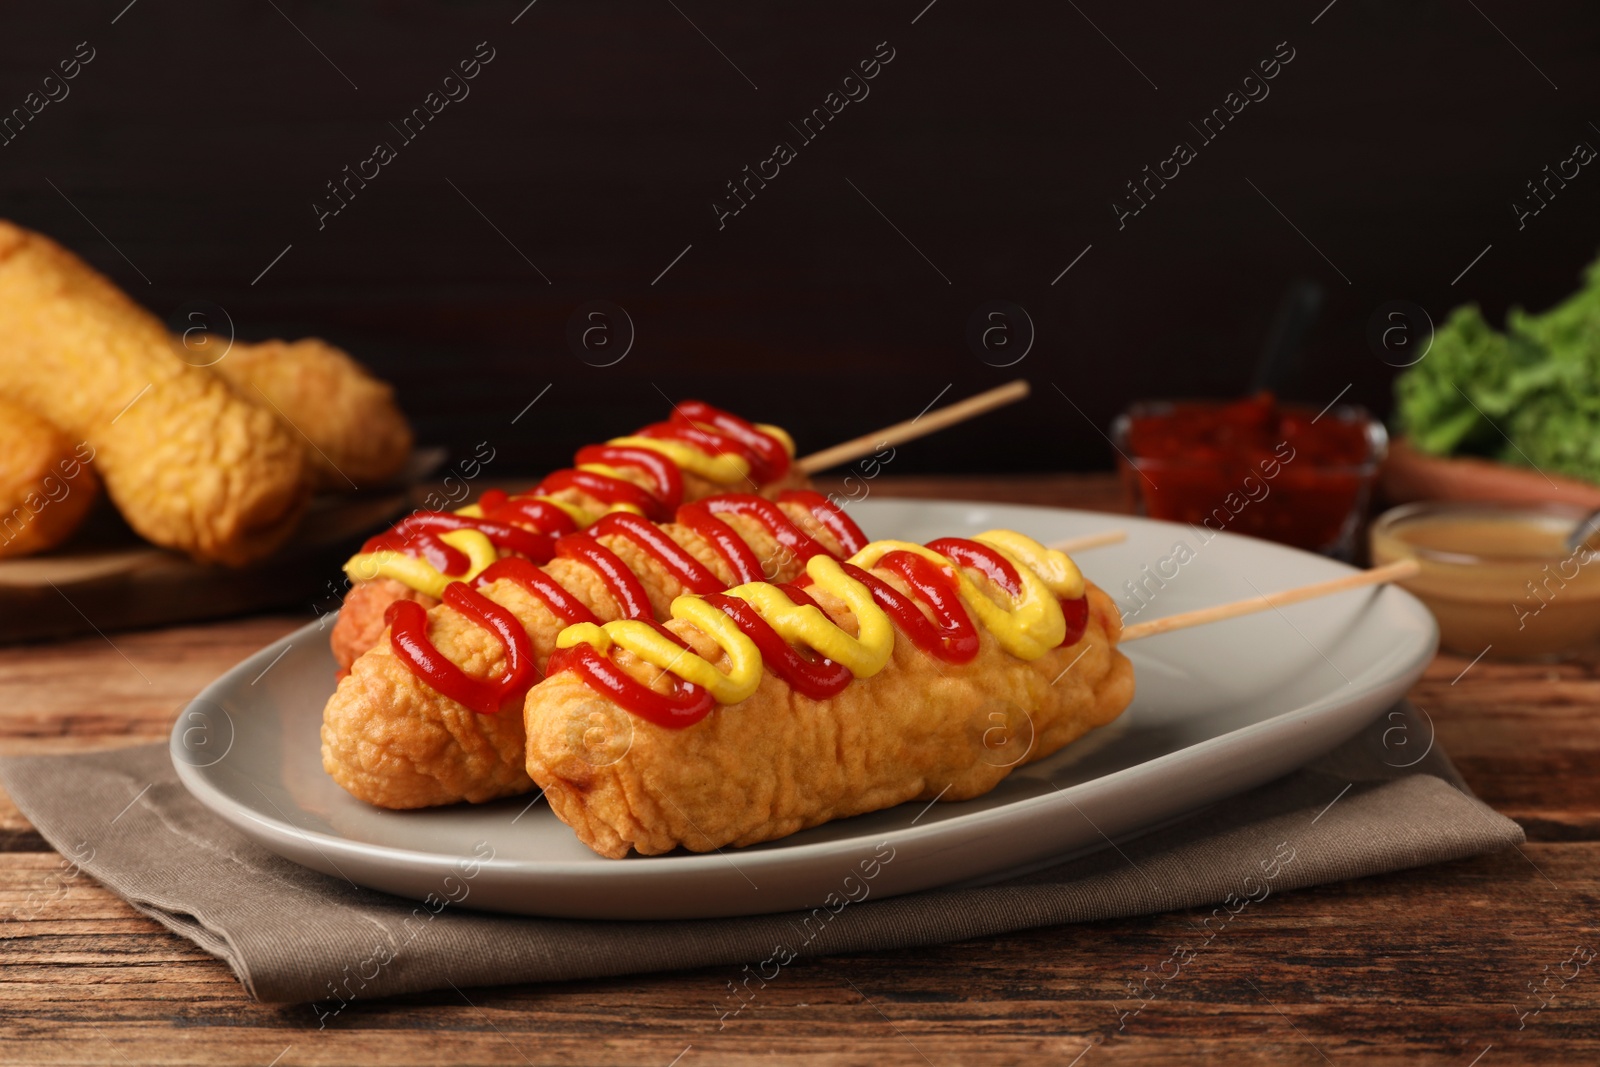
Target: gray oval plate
(1220, 709)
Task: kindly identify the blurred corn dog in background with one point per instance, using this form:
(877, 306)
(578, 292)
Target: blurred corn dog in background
(215, 461)
(189, 463)
(355, 432)
(46, 484)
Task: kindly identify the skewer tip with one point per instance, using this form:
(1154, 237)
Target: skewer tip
(1094, 540)
(1397, 571)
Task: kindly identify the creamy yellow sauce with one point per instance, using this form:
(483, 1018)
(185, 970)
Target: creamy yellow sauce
(1500, 584)
(1494, 537)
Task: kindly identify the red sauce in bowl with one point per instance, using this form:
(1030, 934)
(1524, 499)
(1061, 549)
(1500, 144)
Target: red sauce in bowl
(1287, 473)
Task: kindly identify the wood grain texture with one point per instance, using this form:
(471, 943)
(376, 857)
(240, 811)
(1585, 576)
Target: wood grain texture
(1428, 966)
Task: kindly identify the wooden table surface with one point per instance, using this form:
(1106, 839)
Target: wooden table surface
(1430, 966)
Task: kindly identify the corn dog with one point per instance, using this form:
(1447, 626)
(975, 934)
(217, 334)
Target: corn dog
(355, 434)
(924, 658)
(46, 483)
(699, 452)
(189, 463)
(417, 721)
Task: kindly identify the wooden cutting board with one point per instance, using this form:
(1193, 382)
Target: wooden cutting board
(105, 578)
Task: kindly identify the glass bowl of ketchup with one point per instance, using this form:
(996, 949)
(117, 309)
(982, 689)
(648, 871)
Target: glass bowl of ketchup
(1284, 472)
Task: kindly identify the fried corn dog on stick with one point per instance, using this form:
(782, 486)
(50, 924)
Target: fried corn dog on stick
(998, 653)
(418, 721)
(189, 463)
(701, 451)
(46, 483)
(355, 433)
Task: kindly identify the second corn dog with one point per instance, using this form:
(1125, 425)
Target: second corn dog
(701, 451)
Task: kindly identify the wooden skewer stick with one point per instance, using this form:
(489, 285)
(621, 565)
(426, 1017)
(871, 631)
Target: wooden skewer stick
(911, 429)
(1391, 572)
(1095, 540)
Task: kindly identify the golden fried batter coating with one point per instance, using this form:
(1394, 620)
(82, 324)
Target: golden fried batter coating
(698, 488)
(356, 434)
(46, 484)
(391, 740)
(779, 762)
(360, 623)
(189, 463)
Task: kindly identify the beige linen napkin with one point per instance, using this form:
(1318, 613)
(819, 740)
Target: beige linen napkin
(293, 935)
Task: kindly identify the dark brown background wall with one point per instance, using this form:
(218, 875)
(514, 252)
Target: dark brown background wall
(599, 136)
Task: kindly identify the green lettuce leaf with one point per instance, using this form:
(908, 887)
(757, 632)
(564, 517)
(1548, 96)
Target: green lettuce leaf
(1529, 396)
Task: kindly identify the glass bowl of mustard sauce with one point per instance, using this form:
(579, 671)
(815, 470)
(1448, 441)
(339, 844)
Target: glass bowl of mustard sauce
(1499, 578)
